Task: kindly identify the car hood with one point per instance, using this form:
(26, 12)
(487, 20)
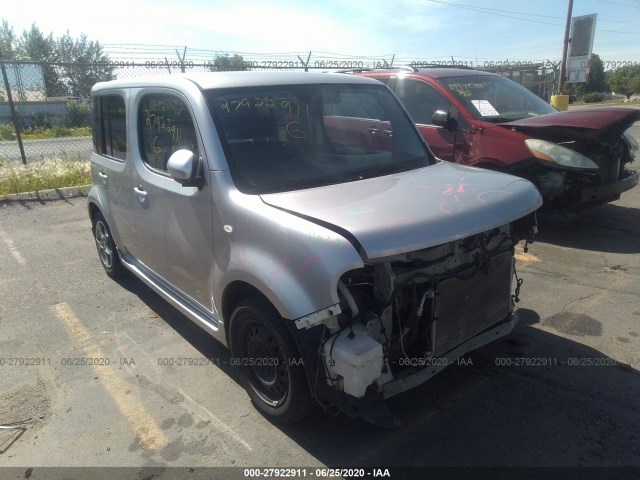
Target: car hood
(599, 123)
(413, 210)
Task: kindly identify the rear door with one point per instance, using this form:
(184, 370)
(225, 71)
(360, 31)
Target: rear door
(173, 223)
(111, 163)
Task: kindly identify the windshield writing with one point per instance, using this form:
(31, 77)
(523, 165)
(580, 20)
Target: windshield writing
(293, 137)
(496, 99)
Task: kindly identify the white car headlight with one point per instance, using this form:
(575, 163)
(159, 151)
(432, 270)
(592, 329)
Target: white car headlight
(562, 156)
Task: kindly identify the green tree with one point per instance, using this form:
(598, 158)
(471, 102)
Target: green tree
(225, 63)
(34, 46)
(634, 84)
(83, 64)
(625, 80)
(596, 82)
(576, 90)
(7, 40)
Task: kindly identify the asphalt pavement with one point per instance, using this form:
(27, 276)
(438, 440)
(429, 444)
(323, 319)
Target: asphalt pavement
(108, 374)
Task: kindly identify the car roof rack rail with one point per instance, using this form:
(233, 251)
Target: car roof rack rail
(420, 65)
(405, 68)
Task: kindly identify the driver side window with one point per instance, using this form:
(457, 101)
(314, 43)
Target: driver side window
(421, 100)
(165, 126)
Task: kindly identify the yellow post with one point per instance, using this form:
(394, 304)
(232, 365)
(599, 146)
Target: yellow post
(561, 102)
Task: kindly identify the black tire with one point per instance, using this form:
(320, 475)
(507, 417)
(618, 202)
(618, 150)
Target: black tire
(107, 251)
(271, 369)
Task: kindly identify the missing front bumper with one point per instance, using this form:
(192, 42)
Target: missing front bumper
(413, 380)
(608, 192)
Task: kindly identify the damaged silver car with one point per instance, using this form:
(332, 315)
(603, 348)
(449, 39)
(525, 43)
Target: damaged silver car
(301, 220)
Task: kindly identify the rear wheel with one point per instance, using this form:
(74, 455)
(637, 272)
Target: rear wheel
(106, 247)
(267, 356)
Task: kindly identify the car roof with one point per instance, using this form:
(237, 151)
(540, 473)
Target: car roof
(233, 79)
(452, 72)
(433, 72)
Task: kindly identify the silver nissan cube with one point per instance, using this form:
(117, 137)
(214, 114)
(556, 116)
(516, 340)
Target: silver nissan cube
(301, 220)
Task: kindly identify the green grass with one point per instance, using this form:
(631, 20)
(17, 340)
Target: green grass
(7, 132)
(42, 175)
(56, 132)
(605, 104)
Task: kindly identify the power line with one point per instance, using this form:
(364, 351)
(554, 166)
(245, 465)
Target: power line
(500, 10)
(483, 10)
(621, 4)
(491, 11)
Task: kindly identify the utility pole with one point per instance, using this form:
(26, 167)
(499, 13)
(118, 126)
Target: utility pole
(12, 107)
(565, 48)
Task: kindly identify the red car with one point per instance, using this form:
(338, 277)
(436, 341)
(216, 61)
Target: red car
(576, 158)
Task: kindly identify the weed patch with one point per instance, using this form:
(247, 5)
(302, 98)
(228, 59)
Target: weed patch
(43, 175)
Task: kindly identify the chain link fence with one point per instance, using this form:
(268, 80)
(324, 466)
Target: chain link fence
(45, 108)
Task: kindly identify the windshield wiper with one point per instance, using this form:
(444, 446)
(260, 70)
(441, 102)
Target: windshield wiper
(299, 183)
(385, 169)
(498, 119)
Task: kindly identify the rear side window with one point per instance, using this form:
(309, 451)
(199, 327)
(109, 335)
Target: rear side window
(356, 105)
(388, 81)
(165, 126)
(110, 126)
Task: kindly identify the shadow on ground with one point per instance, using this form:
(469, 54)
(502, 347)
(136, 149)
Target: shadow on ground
(517, 403)
(609, 228)
(196, 336)
(533, 398)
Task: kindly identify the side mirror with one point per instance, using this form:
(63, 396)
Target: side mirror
(444, 119)
(184, 168)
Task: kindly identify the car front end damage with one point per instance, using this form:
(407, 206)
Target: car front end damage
(405, 318)
(436, 279)
(600, 180)
(579, 161)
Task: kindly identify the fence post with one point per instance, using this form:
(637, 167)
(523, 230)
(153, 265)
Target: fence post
(181, 58)
(14, 114)
(305, 65)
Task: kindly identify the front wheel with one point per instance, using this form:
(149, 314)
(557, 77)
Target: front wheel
(267, 356)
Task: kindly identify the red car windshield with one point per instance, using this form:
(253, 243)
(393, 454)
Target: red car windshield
(493, 98)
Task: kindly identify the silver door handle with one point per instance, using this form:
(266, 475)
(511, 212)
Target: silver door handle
(140, 191)
(103, 175)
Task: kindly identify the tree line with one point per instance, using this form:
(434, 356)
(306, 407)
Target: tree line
(70, 65)
(622, 80)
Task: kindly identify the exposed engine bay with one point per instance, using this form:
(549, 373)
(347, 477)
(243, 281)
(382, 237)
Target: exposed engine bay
(403, 313)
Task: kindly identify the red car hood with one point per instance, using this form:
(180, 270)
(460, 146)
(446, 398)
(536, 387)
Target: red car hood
(594, 122)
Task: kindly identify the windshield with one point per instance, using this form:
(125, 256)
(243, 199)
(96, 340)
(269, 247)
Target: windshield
(496, 99)
(298, 136)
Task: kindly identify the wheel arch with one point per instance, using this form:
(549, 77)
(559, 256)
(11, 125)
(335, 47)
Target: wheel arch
(306, 340)
(93, 209)
(97, 201)
(233, 294)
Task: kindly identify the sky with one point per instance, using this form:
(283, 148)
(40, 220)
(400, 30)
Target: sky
(409, 29)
